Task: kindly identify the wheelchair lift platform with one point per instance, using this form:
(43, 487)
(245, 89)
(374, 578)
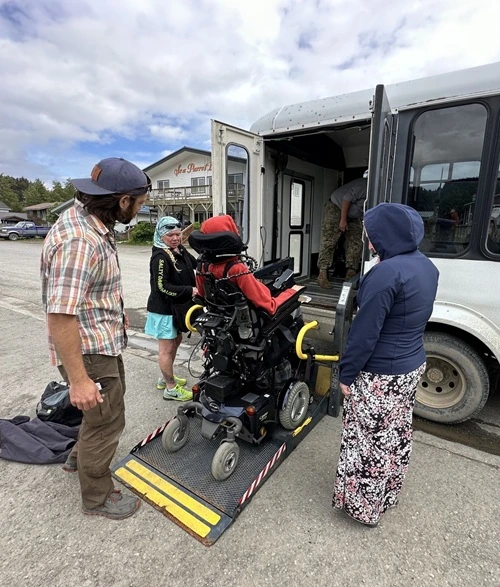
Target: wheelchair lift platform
(181, 485)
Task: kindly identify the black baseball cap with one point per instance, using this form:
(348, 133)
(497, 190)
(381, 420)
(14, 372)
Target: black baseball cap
(114, 175)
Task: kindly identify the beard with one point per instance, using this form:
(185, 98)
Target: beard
(127, 215)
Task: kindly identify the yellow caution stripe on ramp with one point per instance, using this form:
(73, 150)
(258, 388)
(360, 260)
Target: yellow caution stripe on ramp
(166, 487)
(183, 508)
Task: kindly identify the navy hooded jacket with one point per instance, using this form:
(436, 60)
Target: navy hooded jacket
(395, 297)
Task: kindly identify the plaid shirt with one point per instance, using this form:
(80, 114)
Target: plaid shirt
(81, 277)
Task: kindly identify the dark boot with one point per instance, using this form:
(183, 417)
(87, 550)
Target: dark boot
(323, 280)
(116, 506)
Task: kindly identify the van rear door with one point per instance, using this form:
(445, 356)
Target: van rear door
(237, 168)
(381, 159)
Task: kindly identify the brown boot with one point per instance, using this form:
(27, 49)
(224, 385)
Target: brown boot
(323, 280)
(116, 506)
(350, 274)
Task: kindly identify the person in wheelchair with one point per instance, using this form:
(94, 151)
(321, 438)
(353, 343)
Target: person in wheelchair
(226, 279)
(250, 327)
(252, 377)
(231, 267)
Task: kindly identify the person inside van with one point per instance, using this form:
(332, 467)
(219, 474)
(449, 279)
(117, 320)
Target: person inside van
(493, 241)
(342, 215)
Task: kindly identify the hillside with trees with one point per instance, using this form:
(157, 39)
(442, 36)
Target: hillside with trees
(19, 192)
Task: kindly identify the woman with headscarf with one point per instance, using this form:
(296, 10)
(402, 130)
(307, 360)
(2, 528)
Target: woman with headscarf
(382, 364)
(254, 290)
(172, 282)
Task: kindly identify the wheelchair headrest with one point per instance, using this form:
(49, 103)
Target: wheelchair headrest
(217, 245)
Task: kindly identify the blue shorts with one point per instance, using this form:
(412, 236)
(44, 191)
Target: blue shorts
(160, 326)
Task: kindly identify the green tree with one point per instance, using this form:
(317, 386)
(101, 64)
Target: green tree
(7, 193)
(69, 189)
(60, 193)
(19, 185)
(35, 193)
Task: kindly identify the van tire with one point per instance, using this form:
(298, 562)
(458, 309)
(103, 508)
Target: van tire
(13, 236)
(455, 385)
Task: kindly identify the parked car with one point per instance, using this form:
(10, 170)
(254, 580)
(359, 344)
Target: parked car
(23, 229)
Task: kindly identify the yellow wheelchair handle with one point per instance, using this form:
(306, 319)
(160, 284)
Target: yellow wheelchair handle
(187, 320)
(300, 338)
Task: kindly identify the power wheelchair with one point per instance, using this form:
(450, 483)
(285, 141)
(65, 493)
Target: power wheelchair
(253, 378)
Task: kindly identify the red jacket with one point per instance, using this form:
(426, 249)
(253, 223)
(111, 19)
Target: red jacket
(255, 291)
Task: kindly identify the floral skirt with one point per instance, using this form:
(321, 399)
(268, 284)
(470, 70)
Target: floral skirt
(376, 444)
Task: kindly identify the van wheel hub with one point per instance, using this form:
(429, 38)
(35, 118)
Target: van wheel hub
(435, 375)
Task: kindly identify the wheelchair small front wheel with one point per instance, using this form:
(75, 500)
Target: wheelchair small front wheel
(171, 439)
(294, 411)
(225, 460)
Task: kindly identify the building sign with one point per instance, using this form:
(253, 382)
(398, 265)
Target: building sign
(192, 168)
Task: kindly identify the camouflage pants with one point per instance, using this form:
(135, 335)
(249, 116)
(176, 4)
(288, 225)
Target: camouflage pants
(330, 235)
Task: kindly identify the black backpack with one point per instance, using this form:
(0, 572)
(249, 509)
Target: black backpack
(54, 406)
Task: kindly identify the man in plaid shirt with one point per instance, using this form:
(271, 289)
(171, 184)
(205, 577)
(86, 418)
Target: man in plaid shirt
(82, 295)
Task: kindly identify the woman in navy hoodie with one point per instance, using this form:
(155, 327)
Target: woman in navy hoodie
(382, 364)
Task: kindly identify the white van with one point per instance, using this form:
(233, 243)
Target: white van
(431, 143)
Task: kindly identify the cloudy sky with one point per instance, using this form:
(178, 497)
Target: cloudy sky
(87, 79)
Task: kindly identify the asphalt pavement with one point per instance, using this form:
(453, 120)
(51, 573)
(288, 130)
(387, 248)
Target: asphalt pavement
(445, 532)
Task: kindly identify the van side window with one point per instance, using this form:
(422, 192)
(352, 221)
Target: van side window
(493, 238)
(237, 188)
(445, 174)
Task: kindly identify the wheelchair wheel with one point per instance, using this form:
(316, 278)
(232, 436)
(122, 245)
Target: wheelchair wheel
(294, 412)
(171, 439)
(225, 460)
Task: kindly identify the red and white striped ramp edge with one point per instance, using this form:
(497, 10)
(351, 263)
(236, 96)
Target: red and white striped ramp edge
(249, 492)
(154, 434)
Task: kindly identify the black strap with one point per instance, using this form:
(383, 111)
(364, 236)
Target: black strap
(308, 369)
(287, 333)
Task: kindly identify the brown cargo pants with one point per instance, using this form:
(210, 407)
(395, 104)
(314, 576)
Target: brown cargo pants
(101, 429)
(330, 235)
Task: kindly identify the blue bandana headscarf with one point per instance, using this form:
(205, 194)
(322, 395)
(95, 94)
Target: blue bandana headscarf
(165, 225)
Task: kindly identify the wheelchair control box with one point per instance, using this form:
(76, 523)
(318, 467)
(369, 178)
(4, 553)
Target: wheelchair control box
(221, 388)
